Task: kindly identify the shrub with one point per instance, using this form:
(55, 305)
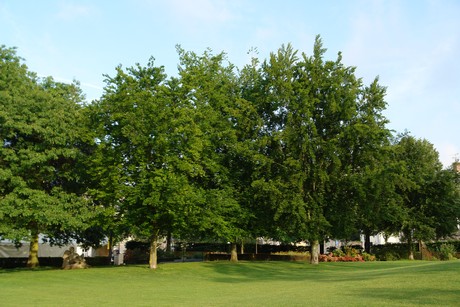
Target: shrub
(338, 252)
(345, 258)
(434, 246)
(391, 251)
(446, 251)
(351, 251)
(136, 256)
(368, 257)
(391, 256)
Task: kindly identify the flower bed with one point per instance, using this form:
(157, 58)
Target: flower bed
(357, 258)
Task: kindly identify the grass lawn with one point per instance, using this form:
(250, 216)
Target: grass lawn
(399, 283)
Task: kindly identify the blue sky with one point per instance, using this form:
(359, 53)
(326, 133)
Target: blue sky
(413, 46)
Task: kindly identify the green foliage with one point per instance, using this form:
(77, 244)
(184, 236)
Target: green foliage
(324, 142)
(338, 252)
(294, 147)
(368, 257)
(391, 251)
(429, 196)
(447, 251)
(433, 246)
(148, 153)
(227, 123)
(41, 147)
(350, 251)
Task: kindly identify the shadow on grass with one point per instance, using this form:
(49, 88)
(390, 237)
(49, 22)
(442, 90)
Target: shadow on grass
(324, 272)
(49, 268)
(272, 271)
(22, 269)
(404, 295)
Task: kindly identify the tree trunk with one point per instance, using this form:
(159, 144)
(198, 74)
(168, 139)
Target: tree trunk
(314, 252)
(242, 247)
(420, 248)
(110, 247)
(184, 251)
(168, 242)
(409, 243)
(233, 253)
(424, 252)
(153, 258)
(367, 242)
(32, 262)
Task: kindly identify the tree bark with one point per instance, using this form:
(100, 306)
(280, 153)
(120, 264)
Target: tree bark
(314, 252)
(110, 248)
(367, 242)
(409, 243)
(32, 262)
(420, 248)
(153, 257)
(233, 252)
(168, 242)
(242, 247)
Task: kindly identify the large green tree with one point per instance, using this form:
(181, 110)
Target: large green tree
(149, 134)
(363, 201)
(444, 203)
(428, 193)
(227, 121)
(321, 130)
(40, 149)
(318, 119)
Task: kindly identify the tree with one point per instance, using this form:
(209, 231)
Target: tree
(271, 89)
(319, 119)
(444, 203)
(154, 145)
(321, 131)
(102, 170)
(40, 146)
(429, 194)
(227, 122)
(364, 199)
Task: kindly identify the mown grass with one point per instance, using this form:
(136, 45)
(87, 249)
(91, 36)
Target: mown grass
(400, 283)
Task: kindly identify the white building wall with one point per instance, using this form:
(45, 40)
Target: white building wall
(8, 250)
(379, 239)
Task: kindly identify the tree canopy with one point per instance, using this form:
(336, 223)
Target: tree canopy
(294, 148)
(40, 150)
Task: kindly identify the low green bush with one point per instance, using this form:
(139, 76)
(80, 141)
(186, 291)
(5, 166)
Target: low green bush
(434, 246)
(338, 252)
(248, 247)
(446, 251)
(351, 251)
(368, 257)
(392, 251)
(391, 256)
(136, 256)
